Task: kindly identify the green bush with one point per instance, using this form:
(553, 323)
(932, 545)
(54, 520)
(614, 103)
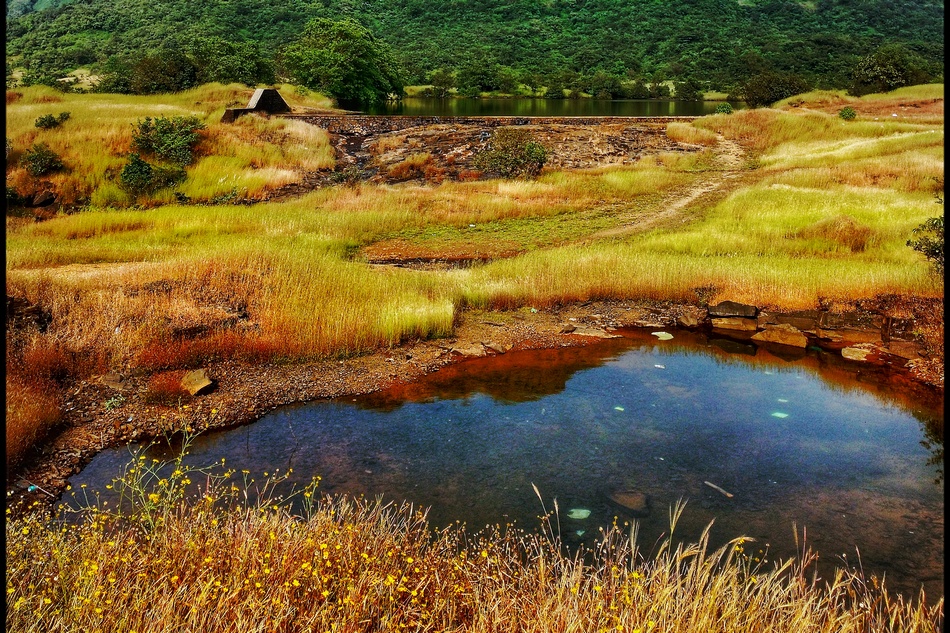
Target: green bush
(511, 153)
(930, 242)
(724, 108)
(768, 87)
(48, 121)
(847, 113)
(139, 177)
(171, 140)
(40, 160)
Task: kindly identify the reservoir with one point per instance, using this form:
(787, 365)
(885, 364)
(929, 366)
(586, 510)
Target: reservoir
(420, 106)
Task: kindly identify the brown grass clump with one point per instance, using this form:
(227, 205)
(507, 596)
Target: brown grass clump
(843, 230)
(414, 166)
(32, 412)
(165, 388)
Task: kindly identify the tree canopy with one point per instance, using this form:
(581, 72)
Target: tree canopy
(717, 44)
(342, 59)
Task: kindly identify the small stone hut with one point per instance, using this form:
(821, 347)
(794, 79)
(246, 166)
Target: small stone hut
(266, 100)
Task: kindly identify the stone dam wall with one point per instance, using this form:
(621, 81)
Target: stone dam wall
(367, 124)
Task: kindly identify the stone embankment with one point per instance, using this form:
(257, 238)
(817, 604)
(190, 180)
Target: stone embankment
(858, 336)
(369, 124)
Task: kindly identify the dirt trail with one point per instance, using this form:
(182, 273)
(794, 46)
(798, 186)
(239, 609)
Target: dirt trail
(729, 159)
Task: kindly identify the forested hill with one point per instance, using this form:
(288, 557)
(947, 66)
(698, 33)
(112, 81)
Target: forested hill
(718, 43)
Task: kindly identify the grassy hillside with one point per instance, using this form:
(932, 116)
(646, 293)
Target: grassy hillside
(716, 42)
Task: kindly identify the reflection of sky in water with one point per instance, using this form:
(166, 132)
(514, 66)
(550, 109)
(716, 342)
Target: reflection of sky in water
(842, 462)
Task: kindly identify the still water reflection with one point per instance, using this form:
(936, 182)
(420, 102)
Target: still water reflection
(419, 106)
(806, 440)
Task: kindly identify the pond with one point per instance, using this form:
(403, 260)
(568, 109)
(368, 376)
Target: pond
(420, 106)
(624, 428)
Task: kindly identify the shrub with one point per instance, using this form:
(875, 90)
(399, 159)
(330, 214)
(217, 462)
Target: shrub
(847, 113)
(724, 108)
(511, 153)
(48, 121)
(140, 177)
(168, 139)
(930, 242)
(767, 88)
(40, 160)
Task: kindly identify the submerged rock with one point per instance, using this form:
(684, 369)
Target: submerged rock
(634, 501)
(578, 513)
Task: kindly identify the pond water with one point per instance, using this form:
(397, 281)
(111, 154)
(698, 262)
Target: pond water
(420, 106)
(837, 449)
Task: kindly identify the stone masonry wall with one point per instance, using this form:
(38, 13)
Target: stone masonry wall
(364, 124)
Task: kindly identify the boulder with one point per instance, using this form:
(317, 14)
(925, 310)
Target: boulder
(44, 199)
(471, 351)
(733, 309)
(197, 382)
(567, 329)
(735, 323)
(782, 334)
(498, 348)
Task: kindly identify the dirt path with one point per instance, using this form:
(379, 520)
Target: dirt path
(729, 158)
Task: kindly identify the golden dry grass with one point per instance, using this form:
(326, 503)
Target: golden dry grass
(174, 557)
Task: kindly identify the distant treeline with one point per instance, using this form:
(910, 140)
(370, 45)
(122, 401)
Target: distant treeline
(616, 48)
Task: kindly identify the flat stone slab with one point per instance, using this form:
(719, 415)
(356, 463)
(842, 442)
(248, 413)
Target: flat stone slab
(733, 309)
(782, 334)
(858, 352)
(593, 331)
(735, 323)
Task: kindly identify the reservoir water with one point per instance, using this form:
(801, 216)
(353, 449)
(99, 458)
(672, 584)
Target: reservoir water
(420, 106)
(623, 429)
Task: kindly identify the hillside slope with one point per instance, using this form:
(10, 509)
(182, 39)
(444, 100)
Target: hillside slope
(718, 42)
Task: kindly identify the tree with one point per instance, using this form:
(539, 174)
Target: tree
(443, 81)
(343, 59)
(478, 75)
(165, 70)
(688, 90)
(225, 61)
(886, 69)
(766, 88)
